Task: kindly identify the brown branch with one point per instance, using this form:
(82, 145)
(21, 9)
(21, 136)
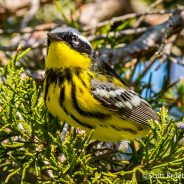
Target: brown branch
(148, 42)
(35, 5)
(28, 37)
(153, 5)
(25, 30)
(94, 12)
(124, 18)
(118, 34)
(17, 8)
(14, 47)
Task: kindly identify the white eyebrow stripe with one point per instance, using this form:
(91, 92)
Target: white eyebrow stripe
(71, 31)
(81, 37)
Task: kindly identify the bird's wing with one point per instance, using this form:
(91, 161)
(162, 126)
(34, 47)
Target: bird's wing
(122, 102)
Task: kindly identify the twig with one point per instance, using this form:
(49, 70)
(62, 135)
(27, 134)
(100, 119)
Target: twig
(105, 155)
(29, 29)
(154, 4)
(151, 62)
(18, 9)
(14, 47)
(179, 60)
(35, 5)
(165, 34)
(118, 34)
(133, 72)
(165, 89)
(159, 53)
(149, 41)
(125, 17)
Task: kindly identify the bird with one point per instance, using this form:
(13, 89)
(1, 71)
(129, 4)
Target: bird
(83, 90)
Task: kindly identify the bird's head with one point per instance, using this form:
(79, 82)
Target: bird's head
(68, 48)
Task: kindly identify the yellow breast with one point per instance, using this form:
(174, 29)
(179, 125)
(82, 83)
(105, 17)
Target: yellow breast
(72, 101)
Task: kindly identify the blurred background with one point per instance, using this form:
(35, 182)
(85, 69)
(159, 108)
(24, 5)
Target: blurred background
(142, 40)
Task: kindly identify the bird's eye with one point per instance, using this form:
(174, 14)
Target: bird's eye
(75, 40)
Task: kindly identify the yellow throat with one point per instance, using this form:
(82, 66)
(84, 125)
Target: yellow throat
(60, 55)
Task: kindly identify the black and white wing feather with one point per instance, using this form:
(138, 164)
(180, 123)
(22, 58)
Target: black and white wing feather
(122, 101)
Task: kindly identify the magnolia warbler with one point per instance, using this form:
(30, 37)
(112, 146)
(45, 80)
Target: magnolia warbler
(84, 91)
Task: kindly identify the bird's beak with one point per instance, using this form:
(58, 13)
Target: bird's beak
(54, 36)
(50, 36)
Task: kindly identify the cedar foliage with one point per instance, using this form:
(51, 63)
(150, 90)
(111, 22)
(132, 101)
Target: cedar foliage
(36, 148)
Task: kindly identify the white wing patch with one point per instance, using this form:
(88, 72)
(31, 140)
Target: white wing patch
(108, 94)
(121, 98)
(123, 102)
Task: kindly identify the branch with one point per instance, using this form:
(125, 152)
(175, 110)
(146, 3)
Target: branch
(148, 42)
(118, 34)
(17, 8)
(124, 18)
